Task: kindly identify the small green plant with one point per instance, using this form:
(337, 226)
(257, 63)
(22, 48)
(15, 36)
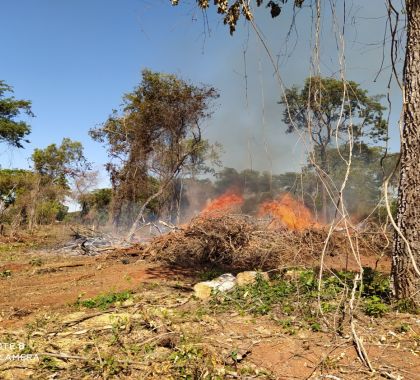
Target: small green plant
(375, 307)
(329, 363)
(315, 327)
(258, 298)
(287, 308)
(307, 280)
(403, 328)
(187, 360)
(112, 366)
(407, 306)
(6, 273)
(148, 348)
(327, 307)
(210, 274)
(104, 301)
(49, 364)
(375, 284)
(234, 355)
(287, 325)
(36, 262)
(118, 324)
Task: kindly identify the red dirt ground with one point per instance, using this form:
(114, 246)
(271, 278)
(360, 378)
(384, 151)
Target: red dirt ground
(60, 280)
(31, 289)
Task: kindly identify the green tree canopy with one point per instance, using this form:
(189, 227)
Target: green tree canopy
(13, 131)
(333, 111)
(14, 182)
(157, 135)
(60, 163)
(329, 107)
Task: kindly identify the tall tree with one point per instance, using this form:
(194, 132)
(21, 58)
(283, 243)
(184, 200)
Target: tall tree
(327, 108)
(406, 252)
(56, 169)
(406, 255)
(13, 131)
(363, 191)
(155, 138)
(60, 164)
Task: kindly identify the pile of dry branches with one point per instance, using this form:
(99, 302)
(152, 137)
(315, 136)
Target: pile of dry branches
(241, 242)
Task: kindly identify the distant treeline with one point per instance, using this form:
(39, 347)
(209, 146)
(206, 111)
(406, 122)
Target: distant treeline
(362, 194)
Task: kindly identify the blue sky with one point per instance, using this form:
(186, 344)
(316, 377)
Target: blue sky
(76, 58)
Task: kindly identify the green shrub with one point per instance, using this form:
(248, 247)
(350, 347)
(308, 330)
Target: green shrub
(375, 307)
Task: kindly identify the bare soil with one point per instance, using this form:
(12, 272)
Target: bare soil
(38, 307)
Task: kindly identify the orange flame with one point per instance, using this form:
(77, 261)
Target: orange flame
(288, 212)
(228, 202)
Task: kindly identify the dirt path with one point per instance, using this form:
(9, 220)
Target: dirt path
(60, 282)
(46, 281)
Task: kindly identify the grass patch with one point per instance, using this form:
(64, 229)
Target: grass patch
(104, 301)
(297, 295)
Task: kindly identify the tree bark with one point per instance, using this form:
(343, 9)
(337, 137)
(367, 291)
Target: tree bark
(405, 277)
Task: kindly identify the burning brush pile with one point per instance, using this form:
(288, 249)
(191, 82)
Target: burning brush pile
(282, 233)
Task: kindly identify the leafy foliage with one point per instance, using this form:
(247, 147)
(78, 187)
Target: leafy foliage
(155, 138)
(375, 307)
(58, 164)
(296, 293)
(330, 107)
(37, 197)
(232, 10)
(363, 191)
(26, 199)
(332, 110)
(12, 131)
(14, 182)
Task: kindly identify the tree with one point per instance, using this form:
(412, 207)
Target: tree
(406, 251)
(56, 169)
(406, 254)
(363, 191)
(95, 206)
(155, 138)
(13, 183)
(60, 164)
(25, 201)
(328, 108)
(13, 132)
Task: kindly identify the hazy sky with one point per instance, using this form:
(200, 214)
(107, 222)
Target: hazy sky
(76, 58)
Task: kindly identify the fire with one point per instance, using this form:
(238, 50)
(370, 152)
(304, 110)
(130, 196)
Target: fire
(230, 201)
(288, 212)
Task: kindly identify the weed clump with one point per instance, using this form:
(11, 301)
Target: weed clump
(104, 301)
(288, 301)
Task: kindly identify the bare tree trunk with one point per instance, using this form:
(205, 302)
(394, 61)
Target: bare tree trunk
(34, 203)
(406, 280)
(139, 217)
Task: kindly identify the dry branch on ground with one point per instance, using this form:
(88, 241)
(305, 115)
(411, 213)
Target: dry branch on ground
(243, 242)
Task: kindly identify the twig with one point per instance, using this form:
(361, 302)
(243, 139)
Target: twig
(357, 342)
